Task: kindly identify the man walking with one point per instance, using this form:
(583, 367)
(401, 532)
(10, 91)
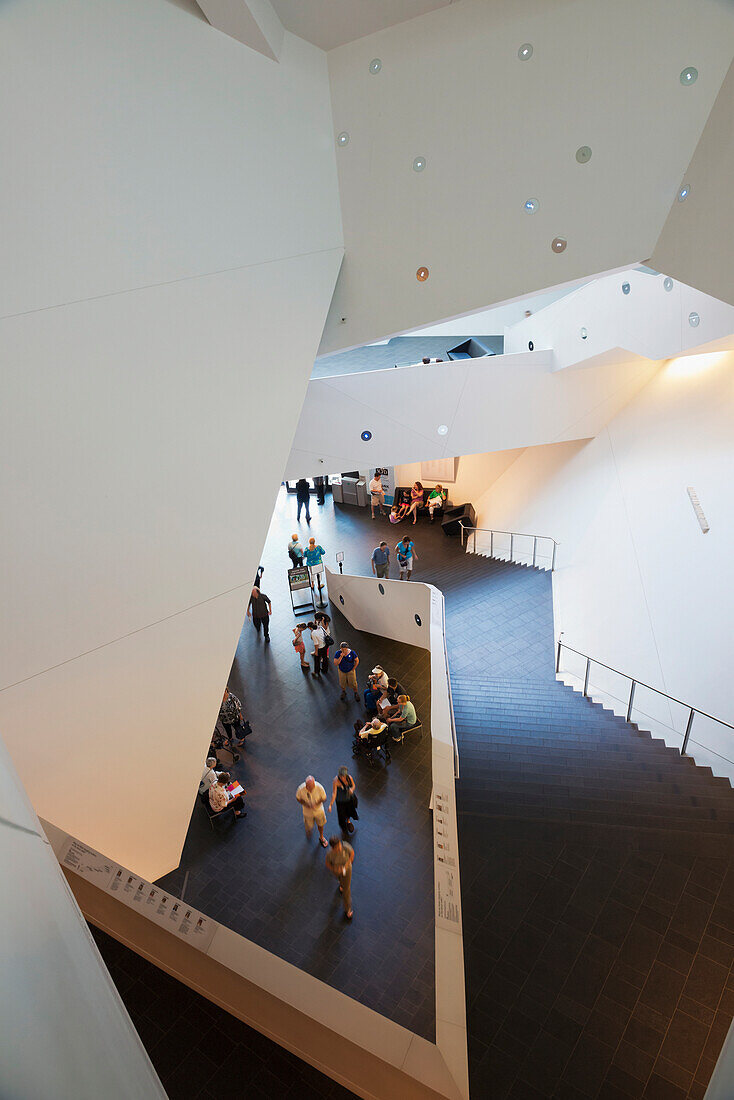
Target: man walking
(230, 715)
(303, 496)
(260, 609)
(320, 486)
(347, 661)
(312, 797)
(339, 860)
(405, 551)
(381, 560)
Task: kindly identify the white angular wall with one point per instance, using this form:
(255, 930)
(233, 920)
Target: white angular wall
(171, 274)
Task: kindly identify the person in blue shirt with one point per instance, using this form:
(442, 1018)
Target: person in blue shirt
(381, 560)
(347, 661)
(407, 556)
(314, 554)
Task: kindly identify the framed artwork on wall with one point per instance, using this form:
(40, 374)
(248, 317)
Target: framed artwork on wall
(442, 470)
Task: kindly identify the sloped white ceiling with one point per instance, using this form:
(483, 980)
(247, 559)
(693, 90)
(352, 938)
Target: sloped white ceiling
(496, 130)
(330, 23)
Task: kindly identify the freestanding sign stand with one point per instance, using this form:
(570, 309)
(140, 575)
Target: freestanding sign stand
(317, 572)
(299, 580)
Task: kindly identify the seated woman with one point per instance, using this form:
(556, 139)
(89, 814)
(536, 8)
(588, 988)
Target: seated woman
(220, 798)
(416, 500)
(404, 718)
(436, 499)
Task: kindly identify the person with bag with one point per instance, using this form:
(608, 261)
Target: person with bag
(343, 793)
(323, 620)
(230, 715)
(318, 639)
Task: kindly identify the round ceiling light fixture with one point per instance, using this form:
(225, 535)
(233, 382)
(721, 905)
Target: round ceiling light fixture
(530, 206)
(443, 429)
(419, 164)
(375, 65)
(422, 274)
(584, 333)
(668, 283)
(693, 319)
(343, 138)
(583, 154)
(531, 345)
(366, 436)
(558, 244)
(525, 52)
(689, 76)
(626, 288)
(684, 192)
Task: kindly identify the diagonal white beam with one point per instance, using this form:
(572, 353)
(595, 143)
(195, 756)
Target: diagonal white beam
(252, 22)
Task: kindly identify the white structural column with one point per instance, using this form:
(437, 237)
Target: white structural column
(157, 331)
(64, 1031)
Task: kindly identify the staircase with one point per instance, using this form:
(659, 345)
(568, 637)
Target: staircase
(597, 871)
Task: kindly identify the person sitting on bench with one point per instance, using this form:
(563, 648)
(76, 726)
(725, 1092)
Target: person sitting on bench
(221, 799)
(402, 718)
(209, 776)
(436, 499)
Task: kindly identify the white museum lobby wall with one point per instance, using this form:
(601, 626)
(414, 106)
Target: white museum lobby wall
(638, 585)
(158, 328)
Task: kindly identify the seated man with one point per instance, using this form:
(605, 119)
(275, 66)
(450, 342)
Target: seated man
(209, 776)
(370, 730)
(403, 719)
(379, 678)
(221, 799)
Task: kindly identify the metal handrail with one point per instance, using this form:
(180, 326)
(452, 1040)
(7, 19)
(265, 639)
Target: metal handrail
(692, 711)
(492, 531)
(448, 684)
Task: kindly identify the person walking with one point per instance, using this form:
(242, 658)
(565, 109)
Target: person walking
(303, 496)
(260, 609)
(300, 646)
(342, 792)
(323, 620)
(347, 662)
(407, 556)
(315, 561)
(318, 639)
(230, 715)
(339, 860)
(320, 486)
(295, 551)
(377, 496)
(381, 560)
(312, 796)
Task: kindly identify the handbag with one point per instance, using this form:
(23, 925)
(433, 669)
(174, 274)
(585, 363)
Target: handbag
(328, 640)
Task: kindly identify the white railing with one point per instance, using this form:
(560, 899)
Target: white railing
(516, 546)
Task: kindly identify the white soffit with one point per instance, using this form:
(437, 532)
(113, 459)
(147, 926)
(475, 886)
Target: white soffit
(331, 23)
(496, 131)
(252, 22)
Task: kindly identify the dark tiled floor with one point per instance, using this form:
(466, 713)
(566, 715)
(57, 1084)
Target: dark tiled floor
(196, 1046)
(263, 879)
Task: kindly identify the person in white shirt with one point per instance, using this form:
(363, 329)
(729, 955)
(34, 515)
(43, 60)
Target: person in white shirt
(377, 496)
(318, 638)
(221, 799)
(208, 776)
(379, 679)
(312, 797)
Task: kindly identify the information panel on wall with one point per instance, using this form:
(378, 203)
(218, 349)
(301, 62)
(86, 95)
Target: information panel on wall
(151, 901)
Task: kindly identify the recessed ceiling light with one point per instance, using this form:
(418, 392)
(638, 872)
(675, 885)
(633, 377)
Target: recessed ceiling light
(443, 429)
(343, 138)
(689, 76)
(525, 52)
(684, 192)
(422, 274)
(375, 65)
(583, 154)
(366, 436)
(626, 288)
(693, 319)
(584, 333)
(668, 283)
(531, 345)
(558, 244)
(419, 164)
(530, 206)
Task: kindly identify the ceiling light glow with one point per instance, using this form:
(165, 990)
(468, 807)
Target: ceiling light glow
(530, 206)
(689, 76)
(668, 283)
(583, 154)
(584, 333)
(422, 274)
(626, 288)
(443, 429)
(525, 52)
(558, 244)
(693, 319)
(375, 65)
(684, 192)
(366, 436)
(343, 138)
(419, 164)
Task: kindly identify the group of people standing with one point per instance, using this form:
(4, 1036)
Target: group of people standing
(406, 556)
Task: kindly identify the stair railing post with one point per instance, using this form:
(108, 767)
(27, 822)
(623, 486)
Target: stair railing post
(475, 541)
(535, 547)
(553, 562)
(688, 732)
(512, 540)
(631, 700)
(491, 544)
(558, 658)
(586, 677)
(461, 525)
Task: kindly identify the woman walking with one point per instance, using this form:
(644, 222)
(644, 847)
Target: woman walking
(342, 793)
